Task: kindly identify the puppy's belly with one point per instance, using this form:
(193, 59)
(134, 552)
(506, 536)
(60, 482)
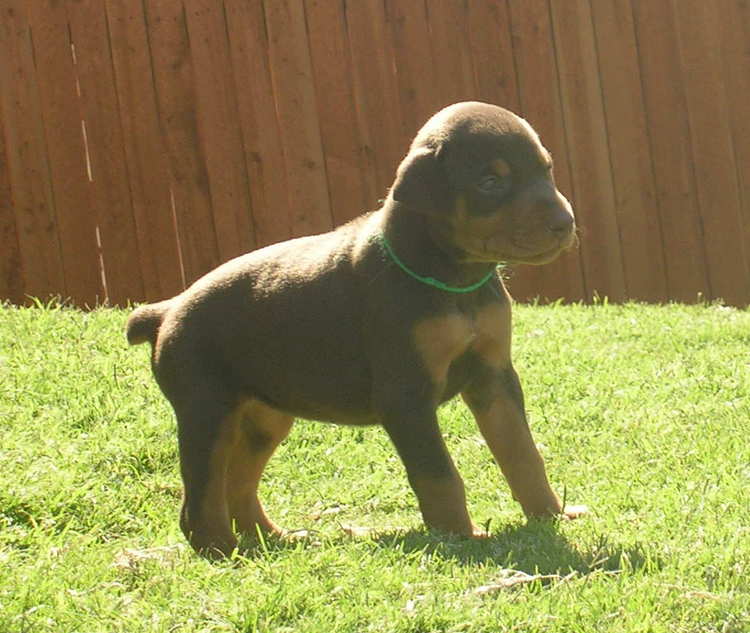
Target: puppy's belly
(320, 412)
(332, 403)
(334, 389)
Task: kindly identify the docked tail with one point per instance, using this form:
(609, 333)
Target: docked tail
(143, 325)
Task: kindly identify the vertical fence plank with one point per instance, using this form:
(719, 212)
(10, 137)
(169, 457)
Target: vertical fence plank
(538, 86)
(713, 155)
(415, 69)
(261, 134)
(295, 103)
(218, 126)
(635, 199)
(11, 280)
(331, 64)
(669, 136)
(588, 149)
(376, 93)
(492, 53)
(109, 191)
(146, 166)
(735, 35)
(449, 30)
(66, 150)
(175, 91)
(39, 258)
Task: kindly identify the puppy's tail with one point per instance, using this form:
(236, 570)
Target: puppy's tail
(143, 325)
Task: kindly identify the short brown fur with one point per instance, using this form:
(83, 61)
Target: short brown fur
(330, 328)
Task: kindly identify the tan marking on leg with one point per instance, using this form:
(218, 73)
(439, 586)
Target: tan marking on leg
(511, 443)
(210, 532)
(260, 429)
(443, 504)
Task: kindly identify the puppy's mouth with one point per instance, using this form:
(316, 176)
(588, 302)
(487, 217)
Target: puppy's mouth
(513, 253)
(545, 256)
(542, 257)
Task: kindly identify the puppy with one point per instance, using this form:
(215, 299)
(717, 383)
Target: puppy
(377, 322)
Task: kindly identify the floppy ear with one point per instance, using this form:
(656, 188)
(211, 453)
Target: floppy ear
(420, 182)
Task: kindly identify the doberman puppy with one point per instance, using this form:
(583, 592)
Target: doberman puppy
(376, 322)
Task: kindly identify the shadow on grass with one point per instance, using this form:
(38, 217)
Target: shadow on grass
(537, 547)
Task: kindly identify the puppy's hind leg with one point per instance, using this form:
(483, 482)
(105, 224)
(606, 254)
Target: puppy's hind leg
(260, 429)
(206, 425)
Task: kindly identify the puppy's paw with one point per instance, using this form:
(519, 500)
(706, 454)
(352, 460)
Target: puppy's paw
(574, 512)
(480, 533)
(295, 535)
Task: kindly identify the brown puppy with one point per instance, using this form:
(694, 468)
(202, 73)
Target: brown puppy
(352, 327)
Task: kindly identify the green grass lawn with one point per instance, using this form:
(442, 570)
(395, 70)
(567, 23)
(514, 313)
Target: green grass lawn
(643, 413)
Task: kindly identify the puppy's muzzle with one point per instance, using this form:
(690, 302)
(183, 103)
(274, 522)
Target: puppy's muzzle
(553, 218)
(561, 221)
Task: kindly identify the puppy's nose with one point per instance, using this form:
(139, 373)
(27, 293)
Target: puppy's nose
(561, 223)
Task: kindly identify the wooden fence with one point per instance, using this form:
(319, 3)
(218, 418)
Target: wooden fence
(142, 142)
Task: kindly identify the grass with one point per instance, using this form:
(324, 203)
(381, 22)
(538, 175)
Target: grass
(642, 412)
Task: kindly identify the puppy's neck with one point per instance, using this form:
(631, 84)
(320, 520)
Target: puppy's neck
(419, 242)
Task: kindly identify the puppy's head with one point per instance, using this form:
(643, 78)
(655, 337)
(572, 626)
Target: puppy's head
(483, 179)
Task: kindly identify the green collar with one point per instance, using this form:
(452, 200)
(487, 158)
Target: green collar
(430, 281)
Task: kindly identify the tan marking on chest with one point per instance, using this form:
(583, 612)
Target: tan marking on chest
(493, 331)
(440, 340)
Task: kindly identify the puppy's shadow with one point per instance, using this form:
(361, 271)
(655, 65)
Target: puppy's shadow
(536, 547)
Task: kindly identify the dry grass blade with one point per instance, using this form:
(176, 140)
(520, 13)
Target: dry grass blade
(512, 578)
(130, 558)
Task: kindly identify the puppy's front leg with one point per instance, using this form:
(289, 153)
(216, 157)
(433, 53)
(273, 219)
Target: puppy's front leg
(416, 435)
(496, 400)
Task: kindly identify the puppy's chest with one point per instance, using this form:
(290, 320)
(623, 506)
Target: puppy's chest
(452, 346)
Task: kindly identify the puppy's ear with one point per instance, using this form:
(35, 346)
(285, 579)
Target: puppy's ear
(420, 181)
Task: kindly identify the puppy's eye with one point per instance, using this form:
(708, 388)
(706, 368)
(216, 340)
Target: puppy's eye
(491, 183)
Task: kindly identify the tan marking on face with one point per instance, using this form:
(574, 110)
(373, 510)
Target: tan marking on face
(501, 167)
(440, 340)
(493, 326)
